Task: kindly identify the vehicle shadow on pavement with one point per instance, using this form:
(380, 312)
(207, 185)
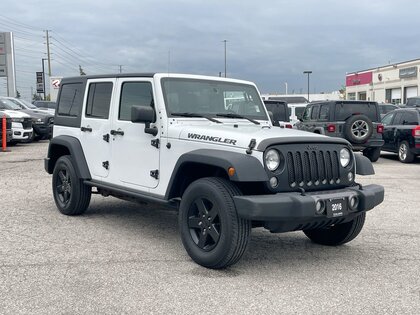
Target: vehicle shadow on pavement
(157, 227)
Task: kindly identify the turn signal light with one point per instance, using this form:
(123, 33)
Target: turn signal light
(231, 171)
(380, 128)
(331, 128)
(416, 131)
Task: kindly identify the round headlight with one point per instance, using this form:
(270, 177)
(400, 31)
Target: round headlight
(272, 160)
(344, 157)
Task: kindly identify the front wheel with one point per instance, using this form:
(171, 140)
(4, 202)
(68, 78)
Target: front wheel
(71, 195)
(211, 231)
(337, 234)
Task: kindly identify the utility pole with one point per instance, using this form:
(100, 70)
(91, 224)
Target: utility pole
(285, 83)
(47, 36)
(225, 41)
(120, 66)
(43, 79)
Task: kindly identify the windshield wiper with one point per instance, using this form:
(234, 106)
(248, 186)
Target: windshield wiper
(187, 114)
(232, 115)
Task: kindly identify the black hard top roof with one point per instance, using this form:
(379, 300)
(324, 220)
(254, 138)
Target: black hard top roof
(289, 99)
(104, 76)
(342, 102)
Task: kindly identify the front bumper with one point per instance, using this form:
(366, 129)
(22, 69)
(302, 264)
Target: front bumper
(43, 130)
(21, 134)
(297, 208)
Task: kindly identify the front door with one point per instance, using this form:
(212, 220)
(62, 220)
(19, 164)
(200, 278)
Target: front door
(135, 161)
(95, 125)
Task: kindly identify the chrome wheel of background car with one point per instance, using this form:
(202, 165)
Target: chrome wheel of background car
(403, 151)
(204, 223)
(360, 129)
(64, 186)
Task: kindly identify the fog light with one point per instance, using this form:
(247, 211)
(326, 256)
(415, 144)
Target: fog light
(350, 176)
(353, 202)
(273, 182)
(320, 207)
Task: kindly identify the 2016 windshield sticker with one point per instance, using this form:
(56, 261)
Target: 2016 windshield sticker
(211, 138)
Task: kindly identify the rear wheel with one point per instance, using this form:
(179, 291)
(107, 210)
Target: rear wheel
(337, 234)
(372, 154)
(71, 195)
(211, 231)
(404, 153)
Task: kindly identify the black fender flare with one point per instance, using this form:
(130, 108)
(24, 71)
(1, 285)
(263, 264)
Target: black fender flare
(363, 165)
(59, 145)
(247, 168)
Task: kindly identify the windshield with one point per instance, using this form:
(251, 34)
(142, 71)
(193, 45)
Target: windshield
(210, 98)
(27, 104)
(7, 104)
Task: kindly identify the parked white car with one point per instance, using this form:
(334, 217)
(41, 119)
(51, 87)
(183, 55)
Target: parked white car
(21, 124)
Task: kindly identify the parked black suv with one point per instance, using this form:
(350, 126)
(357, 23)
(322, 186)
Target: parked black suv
(356, 121)
(402, 133)
(279, 113)
(413, 101)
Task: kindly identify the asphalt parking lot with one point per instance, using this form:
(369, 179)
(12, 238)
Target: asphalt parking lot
(121, 257)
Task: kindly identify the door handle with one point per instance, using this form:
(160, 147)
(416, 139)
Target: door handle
(84, 129)
(117, 132)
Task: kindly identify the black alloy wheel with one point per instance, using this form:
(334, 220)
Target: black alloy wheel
(211, 231)
(204, 223)
(71, 195)
(63, 187)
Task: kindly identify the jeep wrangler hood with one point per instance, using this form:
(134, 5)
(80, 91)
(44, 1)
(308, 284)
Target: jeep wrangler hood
(241, 135)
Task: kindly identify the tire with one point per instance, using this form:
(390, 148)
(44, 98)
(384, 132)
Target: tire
(338, 234)
(372, 154)
(211, 231)
(71, 196)
(404, 153)
(358, 128)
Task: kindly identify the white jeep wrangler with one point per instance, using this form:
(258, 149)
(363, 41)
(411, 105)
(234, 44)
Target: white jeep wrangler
(206, 146)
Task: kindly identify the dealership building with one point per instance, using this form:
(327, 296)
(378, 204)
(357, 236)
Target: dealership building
(393, 83)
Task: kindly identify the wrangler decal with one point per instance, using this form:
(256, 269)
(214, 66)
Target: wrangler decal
(211, 138)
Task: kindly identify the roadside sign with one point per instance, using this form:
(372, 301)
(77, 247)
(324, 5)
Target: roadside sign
(40, 82)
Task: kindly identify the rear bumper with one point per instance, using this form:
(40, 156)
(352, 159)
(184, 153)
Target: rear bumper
(372, 143)
(301, 208)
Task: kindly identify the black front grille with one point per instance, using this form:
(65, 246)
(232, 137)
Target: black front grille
(27, 123)
(312, 168)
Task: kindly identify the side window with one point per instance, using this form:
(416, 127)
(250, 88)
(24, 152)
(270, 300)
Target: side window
(99, 100)
(71, 98)
(315, 112)
(134, 93)
(409, 118)
(397, 119)
(307, 113)
(388, 119)
(324, 112)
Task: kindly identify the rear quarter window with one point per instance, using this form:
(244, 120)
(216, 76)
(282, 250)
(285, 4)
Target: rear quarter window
(71, 98)
(345, 110)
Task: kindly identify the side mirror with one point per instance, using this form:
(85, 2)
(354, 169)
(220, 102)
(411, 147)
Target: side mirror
(146, 115)
(142, 114)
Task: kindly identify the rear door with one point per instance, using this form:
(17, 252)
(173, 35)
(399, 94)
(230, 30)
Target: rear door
(389, 129)
(95, 125)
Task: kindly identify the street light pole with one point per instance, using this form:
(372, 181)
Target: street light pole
(225, 41)
(308, 73)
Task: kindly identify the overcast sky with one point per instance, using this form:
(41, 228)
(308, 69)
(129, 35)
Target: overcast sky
(269, 42)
